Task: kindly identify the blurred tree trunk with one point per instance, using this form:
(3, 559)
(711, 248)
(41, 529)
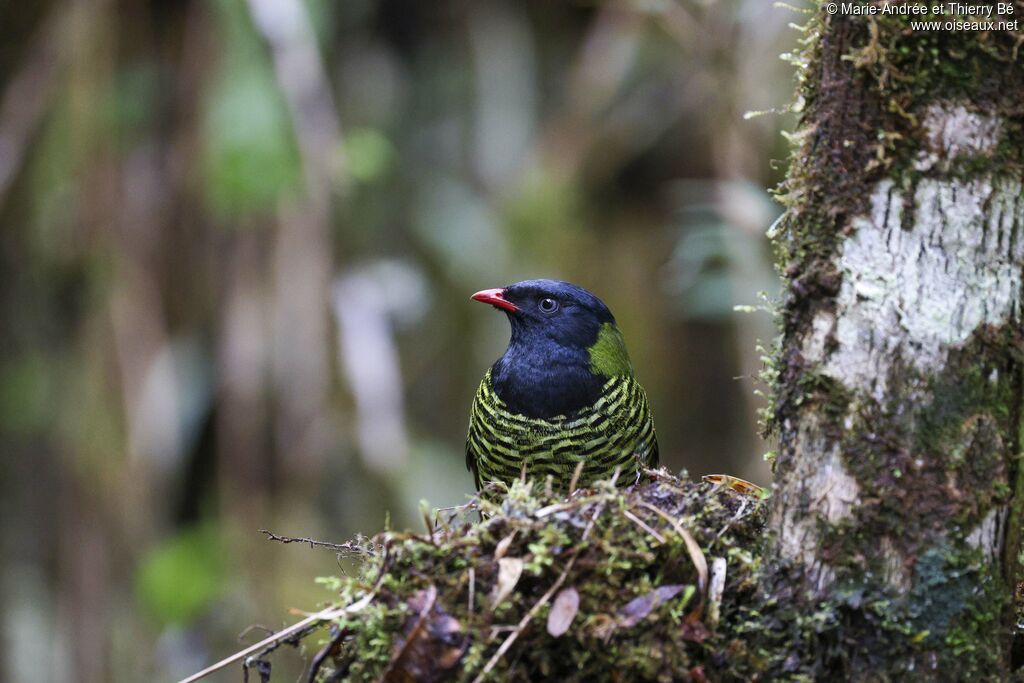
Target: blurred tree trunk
(898, 495)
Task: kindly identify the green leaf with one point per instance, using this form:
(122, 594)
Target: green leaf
(369, 154)
(250, 156)
(180, 577)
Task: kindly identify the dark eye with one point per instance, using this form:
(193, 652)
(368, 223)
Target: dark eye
(548, 305)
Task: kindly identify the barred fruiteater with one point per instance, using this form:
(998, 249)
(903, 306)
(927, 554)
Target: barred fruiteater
(563, 393)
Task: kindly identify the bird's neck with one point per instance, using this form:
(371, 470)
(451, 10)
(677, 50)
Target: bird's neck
(545, 385)
(539, 377)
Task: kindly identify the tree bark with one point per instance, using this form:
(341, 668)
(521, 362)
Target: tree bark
(899, 377)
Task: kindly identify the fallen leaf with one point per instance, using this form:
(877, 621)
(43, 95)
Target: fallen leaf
(636, 609)
(509, 571)
(431, 645)
(736, 484)
(695, 631)
(502, 547)
(602, 626)
(563, 611)
(700, 563)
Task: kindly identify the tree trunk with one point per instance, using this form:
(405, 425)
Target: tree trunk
(899, 377)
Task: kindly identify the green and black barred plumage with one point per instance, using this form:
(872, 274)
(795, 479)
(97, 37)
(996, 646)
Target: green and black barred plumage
(563, 393)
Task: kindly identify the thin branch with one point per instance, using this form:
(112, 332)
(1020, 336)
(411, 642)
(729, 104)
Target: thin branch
(254, 627)
(716, 588)
(696, 554)
(737, 516)
(312, 621)
(576, 476)
(413, 633)
(347, 547)
(322, 655)
(643, 525)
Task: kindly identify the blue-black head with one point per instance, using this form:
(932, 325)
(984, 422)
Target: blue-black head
(563, 348)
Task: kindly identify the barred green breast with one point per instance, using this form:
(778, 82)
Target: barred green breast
(616, 432)
(562, 394)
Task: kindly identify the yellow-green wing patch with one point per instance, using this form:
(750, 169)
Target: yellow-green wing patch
(608, 355)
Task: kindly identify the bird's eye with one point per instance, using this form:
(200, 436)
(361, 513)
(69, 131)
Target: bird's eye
(548, 305)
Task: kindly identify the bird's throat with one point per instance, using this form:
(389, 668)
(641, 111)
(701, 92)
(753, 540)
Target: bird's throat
(545, 386)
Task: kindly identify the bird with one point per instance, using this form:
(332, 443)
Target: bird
(562, 394)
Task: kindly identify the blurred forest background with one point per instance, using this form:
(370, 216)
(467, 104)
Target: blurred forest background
(237, 244)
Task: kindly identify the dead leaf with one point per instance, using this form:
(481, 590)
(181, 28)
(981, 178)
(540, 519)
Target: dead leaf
(509, 571)
(634, 611)
(602, 626)
(502, 547)
(736, 484)
(431, 645)
(695, 631)
(563, 611)
(700, 563)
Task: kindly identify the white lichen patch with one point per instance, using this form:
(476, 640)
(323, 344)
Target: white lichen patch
(987, 535)
(917, 292)
(823, 484)
(821, 326)
(894, 568)
(953, 130)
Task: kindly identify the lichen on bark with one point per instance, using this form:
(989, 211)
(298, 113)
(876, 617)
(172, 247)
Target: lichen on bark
(897, 403)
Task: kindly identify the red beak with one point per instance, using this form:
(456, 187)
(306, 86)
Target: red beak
(496, 298)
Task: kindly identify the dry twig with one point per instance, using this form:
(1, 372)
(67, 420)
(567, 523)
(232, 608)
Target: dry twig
(643, 525)
(576, 477)
(349, 547)
(311, 622)
(715, 590)
(324, 654)
(696, 554)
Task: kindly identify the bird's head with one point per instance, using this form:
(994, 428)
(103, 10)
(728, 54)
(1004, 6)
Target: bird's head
(560, 323)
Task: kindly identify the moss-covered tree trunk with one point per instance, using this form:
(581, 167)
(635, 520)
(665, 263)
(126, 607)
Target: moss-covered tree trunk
(898, 397)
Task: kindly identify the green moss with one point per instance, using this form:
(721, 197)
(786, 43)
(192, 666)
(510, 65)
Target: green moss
(960, 603)
(617, 568)
(942, 629)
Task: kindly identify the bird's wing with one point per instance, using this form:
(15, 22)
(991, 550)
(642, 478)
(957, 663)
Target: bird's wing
(651, 457)
(471, 465)
(471, 456)
(654, 458)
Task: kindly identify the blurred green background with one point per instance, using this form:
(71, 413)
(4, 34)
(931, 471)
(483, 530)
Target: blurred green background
(237, 241)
